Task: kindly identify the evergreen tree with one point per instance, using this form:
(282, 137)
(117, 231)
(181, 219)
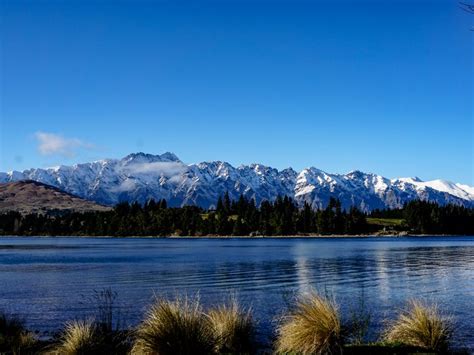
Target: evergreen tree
(241, 217)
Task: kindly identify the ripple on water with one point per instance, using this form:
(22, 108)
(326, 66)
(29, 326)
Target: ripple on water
(47, 280)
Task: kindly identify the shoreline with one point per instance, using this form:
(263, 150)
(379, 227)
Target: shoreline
(306, 236)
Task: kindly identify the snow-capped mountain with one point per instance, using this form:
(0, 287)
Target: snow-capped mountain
(140, 177)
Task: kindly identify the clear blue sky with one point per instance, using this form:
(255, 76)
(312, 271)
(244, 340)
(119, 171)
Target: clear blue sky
(379, 86)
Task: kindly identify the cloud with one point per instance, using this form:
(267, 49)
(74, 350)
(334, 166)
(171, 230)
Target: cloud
(166, 169)
(170, 170)
(55, 144)
(126, 185)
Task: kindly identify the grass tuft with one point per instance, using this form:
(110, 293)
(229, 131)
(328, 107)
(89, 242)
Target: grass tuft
(175, 327)
(314, 327)
(233, 329)
(421, 325)
(79, 337)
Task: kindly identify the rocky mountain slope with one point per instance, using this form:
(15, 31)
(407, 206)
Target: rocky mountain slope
(140, 177)
(35, 197)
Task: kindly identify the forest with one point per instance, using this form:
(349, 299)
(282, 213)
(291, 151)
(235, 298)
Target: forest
(242, 217)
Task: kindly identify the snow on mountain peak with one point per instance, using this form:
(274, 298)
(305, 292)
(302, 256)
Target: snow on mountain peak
(450, 188)
(141, 176)
(141, 157)
(170, 157)
(355, 174)
(467, 188)
(409, 180)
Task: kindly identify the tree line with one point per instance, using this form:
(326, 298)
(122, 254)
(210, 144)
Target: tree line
(239, 217)
(430, 218)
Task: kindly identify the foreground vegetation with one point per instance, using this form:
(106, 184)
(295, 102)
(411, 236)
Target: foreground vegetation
(243, 218)
(313, 325)
(421, 325)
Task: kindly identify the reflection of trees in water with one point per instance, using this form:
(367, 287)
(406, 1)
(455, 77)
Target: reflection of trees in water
(433, 257)
(382, 269)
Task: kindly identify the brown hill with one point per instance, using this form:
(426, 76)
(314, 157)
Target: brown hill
(34, 197)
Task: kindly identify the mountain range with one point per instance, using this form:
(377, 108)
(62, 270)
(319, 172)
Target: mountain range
(140, 177)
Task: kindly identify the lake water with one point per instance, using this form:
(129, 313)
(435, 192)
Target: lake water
(50, 280)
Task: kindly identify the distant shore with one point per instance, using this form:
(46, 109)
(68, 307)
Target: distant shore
(305, 236)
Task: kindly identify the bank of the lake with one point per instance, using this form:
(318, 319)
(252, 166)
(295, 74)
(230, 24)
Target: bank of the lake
(226, 237)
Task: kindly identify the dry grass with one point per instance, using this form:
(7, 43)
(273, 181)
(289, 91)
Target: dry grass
(314, 327)
(79, 337)
(233, 329)
(421, 325)
(175, 327)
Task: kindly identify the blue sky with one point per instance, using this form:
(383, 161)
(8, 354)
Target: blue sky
(379, 86)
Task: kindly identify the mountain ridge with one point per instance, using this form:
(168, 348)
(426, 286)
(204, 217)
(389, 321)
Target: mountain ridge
(141, 176)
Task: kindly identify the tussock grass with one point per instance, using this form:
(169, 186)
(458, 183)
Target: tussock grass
(175, 327)
(421, 325)
(313, 327)
(14, 338)
(233, 328)
(79, 337)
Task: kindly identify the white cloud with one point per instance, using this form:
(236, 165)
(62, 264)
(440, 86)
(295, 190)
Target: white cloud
(126, 185)
(166, 169)
(55, 144)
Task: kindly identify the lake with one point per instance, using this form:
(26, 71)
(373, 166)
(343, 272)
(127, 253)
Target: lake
(50, 280)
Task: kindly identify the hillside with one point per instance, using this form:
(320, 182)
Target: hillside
(34, 197)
